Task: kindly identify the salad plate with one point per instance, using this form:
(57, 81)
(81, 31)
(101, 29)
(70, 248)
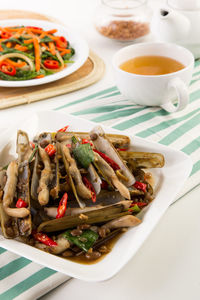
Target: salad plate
(176, 170)
(76, 42)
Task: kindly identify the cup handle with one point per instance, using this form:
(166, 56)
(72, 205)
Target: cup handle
(182, 93)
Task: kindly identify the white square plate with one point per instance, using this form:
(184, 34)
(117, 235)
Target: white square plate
(169, 181)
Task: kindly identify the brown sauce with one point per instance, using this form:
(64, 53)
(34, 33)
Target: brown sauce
(150, 178)
(83, 260)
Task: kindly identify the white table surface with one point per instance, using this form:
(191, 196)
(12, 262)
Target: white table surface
(167, 266)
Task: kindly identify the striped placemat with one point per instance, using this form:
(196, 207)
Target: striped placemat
(179, 130)
(23, 279)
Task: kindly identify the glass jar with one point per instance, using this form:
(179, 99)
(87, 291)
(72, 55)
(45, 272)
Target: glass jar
(123, 20)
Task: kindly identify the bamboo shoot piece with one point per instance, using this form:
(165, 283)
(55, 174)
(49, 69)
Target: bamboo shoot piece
(143, 159)
(101, 215)
(118, 140)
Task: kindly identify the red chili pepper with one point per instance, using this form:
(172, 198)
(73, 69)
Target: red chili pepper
(139, 204)
(51, 64)
(91, 188)
(122, 149)
(111, 162)
(69, 145)
(7, 68)
(32, 145)
(63, 129)
(50, 149)
(62, 206)
(43, 238)
(33, 27)
(61, 42)
(104, 185)
(85, 141)
(140, 186)
(5, 35)
(21, 203)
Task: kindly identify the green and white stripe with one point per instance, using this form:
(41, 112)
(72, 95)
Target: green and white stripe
(179, 130)
(22, 279)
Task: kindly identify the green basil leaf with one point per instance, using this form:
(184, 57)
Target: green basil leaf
(85, 241)
(84, 155)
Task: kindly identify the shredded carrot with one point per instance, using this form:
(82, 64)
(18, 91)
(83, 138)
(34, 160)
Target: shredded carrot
(21, 48)
(8, 29)
(64, 50)
(29, 32)
(45, 46)
(52, 48)
(8, 44)
(16, 64)
(1, 49)
(38, 31)
(42, 35)
(30, 41)
(63, 53)
(51, 31)
(18, 33)
(37, 53)
(54, 38)
(40, 76)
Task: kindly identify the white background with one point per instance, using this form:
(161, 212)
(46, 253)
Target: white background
(167, 266)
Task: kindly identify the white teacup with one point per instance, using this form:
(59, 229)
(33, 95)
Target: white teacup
(155, 90)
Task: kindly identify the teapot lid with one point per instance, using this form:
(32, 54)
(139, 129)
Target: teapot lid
(184, 4)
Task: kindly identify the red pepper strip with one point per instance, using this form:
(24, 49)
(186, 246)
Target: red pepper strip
(68, 145)
(62, 206)
(139, 204)
(50, 149)
(111, 162)
(104, 185)
(43, 238)
(140, 186)
(21, 203)
(85, 141)
(90, 187)
(63, 129)
(33, 27)
(32, 145)
(122, 149)
(7, 68)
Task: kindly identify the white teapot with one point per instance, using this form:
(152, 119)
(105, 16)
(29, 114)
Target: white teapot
(179, 22)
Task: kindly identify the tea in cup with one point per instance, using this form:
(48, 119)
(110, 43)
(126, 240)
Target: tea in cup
(154, 74)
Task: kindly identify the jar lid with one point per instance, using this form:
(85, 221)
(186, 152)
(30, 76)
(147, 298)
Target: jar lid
(124, 4)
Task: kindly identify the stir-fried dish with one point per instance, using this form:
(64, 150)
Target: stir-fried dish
(32, 52)
(70, 193)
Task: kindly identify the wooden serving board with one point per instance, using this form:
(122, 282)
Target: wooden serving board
(89, 73)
